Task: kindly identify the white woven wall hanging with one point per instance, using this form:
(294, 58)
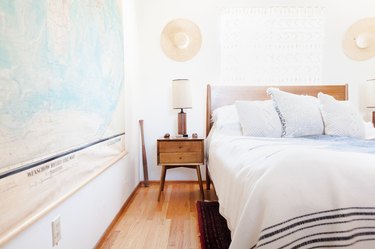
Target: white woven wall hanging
(272, 45)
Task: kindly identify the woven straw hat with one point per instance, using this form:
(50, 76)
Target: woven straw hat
(359, 40)
(181, 40)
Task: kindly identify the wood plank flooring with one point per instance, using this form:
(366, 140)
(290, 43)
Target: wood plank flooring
(170, 223)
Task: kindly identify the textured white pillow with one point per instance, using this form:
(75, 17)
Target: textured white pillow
(258, 118)
(299, 115)
(340, 117)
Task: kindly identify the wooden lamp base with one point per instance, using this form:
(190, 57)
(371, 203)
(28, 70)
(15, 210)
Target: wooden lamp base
(182, 123)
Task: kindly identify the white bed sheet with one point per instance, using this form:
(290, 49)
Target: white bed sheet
(261, 182)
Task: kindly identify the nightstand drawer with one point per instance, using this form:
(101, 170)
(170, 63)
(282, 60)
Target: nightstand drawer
(180, 146)
(178, 158)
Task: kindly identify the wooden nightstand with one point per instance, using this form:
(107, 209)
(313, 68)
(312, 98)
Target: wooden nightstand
(180, 152)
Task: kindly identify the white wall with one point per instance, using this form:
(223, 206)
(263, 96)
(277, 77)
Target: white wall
(86, 215)
(157, 71)
(148, 75)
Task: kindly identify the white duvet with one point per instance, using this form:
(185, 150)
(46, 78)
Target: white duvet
(285, 193)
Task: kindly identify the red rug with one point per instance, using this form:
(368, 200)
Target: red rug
(214, 232)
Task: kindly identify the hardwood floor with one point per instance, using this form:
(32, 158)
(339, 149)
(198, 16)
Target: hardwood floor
(170, 223)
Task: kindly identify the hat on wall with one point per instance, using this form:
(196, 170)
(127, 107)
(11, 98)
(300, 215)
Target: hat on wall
(359, 40)
(181, 40)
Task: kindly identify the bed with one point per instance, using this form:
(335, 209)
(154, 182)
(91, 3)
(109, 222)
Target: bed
(291, 192)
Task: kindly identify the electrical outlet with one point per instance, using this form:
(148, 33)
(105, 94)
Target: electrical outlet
(56, 231)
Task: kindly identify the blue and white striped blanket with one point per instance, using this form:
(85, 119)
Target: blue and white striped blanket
(310, 192)
(344, 143)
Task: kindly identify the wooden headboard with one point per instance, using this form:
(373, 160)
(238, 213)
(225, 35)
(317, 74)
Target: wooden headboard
(220, 95)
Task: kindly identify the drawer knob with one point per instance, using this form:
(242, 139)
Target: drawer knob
(180, 147)
(180, 157)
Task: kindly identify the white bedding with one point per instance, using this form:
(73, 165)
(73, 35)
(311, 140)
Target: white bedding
(261, 182)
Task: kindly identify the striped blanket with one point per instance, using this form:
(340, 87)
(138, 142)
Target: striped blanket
(340, 227)
(295, 193)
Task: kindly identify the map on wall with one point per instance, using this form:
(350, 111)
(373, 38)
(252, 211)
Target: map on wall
(60, 77)
(61, 101)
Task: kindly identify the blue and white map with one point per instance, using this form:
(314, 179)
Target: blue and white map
(61, 76)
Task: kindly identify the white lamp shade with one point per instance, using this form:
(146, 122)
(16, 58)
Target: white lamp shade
(370, 93)
(181, 94)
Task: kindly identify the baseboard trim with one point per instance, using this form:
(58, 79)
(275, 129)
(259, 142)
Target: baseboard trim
(117, 217)
(172, 181)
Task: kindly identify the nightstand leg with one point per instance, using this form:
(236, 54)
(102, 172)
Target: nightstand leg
(162, 180)
(208, 179)
(200, 181)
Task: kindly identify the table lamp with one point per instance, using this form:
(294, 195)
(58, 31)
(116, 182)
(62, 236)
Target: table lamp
(370, 97)
(182, 99)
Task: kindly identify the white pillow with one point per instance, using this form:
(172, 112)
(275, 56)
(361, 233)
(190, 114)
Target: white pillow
(340, 117)
(226, 121)
(258, 118)
(226, 113)
(369, 130)
(299, 115)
